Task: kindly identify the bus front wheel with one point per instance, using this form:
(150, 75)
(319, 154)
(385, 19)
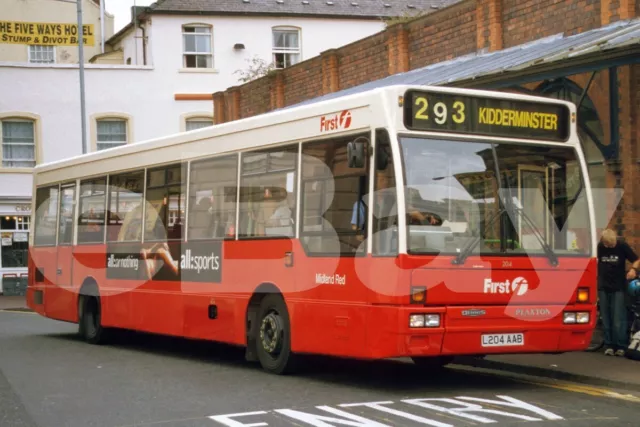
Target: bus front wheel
(90, 325)
(273, 341)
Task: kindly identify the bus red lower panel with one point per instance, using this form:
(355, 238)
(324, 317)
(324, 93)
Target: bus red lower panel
(387, 332)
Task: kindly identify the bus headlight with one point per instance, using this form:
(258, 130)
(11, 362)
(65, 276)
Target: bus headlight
(569, 317)
(432, 320)
(424, 320)
(416, 321)
(582, 317)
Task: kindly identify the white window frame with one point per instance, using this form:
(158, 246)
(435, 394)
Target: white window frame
(34, 143)
(30, 54)
(286, 51)
(186, 53)
(111, 144)
(197, 119)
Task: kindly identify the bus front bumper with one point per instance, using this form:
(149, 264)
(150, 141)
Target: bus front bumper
(479, 331)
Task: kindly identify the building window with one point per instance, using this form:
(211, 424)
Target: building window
(111, 133)
(197, 46)
(18, 143)
(15, 242)
(286, 47)
(42, 55)
(198, 123)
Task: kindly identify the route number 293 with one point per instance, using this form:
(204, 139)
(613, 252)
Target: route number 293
(440, 111)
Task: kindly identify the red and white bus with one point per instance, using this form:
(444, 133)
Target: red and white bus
(405, 221)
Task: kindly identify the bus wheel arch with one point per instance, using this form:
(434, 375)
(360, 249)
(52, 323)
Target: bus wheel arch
(268, 330)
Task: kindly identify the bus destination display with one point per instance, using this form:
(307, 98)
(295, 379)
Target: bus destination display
(443, 112)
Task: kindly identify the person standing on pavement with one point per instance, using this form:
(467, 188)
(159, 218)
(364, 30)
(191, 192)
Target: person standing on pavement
(612, 259)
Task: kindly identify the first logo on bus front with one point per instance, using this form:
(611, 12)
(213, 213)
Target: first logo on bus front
(339, 121)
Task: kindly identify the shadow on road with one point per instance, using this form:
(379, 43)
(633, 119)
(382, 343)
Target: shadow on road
(391, 375)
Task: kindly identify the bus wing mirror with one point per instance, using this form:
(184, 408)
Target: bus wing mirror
(356, 152)
(382, 159)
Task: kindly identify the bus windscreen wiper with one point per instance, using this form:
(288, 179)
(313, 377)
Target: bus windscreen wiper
(551, 255)
(466, 250)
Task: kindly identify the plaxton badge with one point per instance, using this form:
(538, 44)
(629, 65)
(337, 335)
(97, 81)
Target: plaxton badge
(533, 312)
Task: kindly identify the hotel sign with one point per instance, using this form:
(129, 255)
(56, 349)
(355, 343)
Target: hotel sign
(45, 34)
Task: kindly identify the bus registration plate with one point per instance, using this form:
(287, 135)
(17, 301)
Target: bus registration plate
(502, 340)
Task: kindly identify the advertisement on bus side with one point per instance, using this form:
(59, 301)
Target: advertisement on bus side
(166, 261)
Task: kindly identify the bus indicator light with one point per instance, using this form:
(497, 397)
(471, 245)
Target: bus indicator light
(583, 294)
(418, 295)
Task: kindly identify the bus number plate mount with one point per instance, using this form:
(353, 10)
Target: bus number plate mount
(502, 340)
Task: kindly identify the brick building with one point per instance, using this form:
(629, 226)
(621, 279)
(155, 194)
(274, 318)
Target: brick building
(585, 51)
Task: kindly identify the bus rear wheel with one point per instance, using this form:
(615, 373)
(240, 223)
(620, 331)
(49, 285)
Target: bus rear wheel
(273, 341)
(90, 325)
(432, 363)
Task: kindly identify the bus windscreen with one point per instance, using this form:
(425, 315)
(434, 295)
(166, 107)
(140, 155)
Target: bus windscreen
(455, 183)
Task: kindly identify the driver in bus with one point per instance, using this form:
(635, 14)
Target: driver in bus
(412, 195)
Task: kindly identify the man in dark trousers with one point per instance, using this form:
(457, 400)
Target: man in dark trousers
(612, 279)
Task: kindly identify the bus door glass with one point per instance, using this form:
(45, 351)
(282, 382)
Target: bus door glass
(65, 234)
(533, 195)
(59, 302)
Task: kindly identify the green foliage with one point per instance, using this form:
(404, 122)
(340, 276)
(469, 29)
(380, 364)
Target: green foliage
(257, 67)
(404, 18)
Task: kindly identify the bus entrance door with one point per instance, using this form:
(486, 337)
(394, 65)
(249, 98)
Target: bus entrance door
(59, 302)
(533, 195)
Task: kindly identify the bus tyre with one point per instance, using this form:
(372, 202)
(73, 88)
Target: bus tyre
(90, 324)
(273, 340)
(432, 363)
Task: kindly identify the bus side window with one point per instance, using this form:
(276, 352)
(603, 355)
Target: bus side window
(125, 207)
(166, 193)
(268, 193)
(212, 198)
(334, 199)
(92, 211)
(45, 216)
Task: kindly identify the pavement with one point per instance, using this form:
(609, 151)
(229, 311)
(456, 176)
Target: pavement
(593, 368)
(13, 303)
(50, 378)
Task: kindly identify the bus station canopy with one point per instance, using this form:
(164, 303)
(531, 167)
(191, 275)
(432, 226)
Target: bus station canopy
(613, 45)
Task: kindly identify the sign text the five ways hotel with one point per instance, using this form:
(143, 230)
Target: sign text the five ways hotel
(47, 34)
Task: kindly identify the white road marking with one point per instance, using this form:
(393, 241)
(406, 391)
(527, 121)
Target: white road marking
(461, 409)
(319, 420)
(227, 421)
(378, 406)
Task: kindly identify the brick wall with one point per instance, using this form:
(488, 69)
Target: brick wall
(255, 98)
(363, 61)
(303, 81)
(524, 21)
(448, 34)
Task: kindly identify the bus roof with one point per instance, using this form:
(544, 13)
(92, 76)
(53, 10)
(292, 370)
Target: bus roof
(368, 100)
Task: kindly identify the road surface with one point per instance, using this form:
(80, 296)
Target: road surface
(49, 378)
